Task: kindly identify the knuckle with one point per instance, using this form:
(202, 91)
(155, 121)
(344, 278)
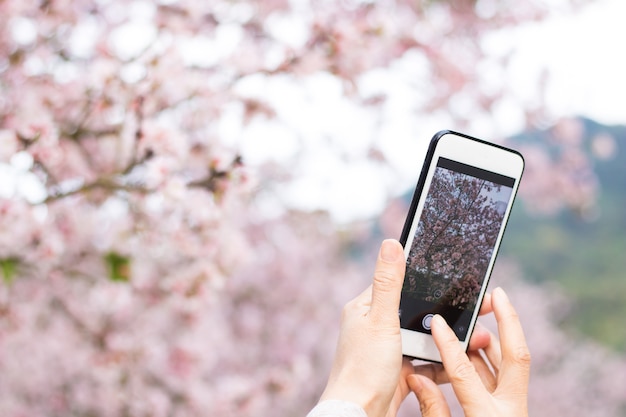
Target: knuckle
(513, 315)
(462, 371)
(521, 356)
(384, 279)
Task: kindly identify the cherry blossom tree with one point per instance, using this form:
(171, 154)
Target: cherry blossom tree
(146, 268)
(455, 236)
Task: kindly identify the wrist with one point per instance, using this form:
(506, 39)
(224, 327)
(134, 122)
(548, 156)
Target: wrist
(333, 408)
(370, 403)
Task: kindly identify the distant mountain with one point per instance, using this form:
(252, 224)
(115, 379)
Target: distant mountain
(586, 257)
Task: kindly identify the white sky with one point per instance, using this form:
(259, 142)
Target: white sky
(583, 54)
(586, 57)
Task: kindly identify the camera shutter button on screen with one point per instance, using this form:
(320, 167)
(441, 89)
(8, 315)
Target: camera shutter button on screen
(426, 321)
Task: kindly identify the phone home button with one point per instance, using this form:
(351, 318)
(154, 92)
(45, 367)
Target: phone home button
(426, 321)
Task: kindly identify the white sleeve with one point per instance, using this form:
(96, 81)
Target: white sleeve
(337, 408)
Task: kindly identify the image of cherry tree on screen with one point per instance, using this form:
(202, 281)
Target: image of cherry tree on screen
(454, 240)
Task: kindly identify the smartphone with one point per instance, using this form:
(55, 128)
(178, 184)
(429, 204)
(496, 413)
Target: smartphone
(451, 236)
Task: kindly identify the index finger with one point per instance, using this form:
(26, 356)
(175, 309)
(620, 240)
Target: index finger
(465, 381)
(515, 367)
(486, 307)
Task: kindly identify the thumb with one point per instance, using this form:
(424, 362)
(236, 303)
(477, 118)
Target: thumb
(431, 399)
(388, 278)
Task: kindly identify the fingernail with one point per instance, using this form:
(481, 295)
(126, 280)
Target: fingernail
(500, 293)
(416, 383)
(389, 251)
(438, 321)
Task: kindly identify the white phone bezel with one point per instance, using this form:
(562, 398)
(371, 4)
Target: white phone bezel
(482, 155)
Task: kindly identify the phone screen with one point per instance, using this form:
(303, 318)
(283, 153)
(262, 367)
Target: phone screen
(453, 246)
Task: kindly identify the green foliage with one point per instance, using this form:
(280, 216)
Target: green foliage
(586, 257)
(119, 266)
(8, 266)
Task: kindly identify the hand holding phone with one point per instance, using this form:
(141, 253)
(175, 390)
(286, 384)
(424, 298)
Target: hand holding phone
(452, 234)
(490, 385)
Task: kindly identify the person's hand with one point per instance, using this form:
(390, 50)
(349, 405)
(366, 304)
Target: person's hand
(367, 364)
(495, 384)
(481, 339)
(368, 368)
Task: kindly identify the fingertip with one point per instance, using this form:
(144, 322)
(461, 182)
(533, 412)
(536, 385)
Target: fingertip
(388, 279)
(390, 250)
(502, 305)
(486, 307)
(431, 399)
(441, 332)
(438, 321)
(421, 386)
(438, 324)
(480, 339)
(500, 295)
(416, 383)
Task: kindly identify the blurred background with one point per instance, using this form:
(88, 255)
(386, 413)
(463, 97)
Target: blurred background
(190, 191)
